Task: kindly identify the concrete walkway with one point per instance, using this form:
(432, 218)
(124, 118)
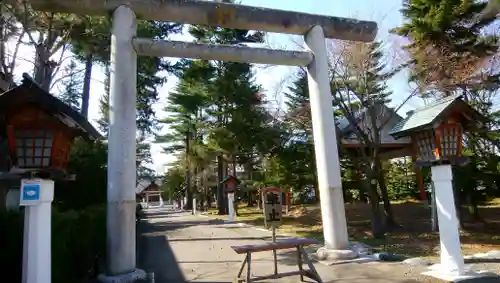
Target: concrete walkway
(179, 247)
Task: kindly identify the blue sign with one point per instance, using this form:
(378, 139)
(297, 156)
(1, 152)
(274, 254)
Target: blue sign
(31, 192)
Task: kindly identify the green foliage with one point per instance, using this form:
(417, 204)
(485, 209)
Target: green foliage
(451, 52)
(173, 183)
(298, 93)
(86, 159)
(11, 232)
(93, 34)
(78, 244)
(78, 239)
(401, 179)
(72, 85)
(216, 110)
(446, 45)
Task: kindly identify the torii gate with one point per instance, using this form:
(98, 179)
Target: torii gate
(122, 105)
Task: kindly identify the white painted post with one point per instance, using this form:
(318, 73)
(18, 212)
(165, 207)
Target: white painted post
(37, 229)
(326, 149)
(122, 151)
(452, 261)
(230, 207)
(194, 206)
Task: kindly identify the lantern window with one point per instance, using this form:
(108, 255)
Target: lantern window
(33, 148)
(450, 139)
(426, 146)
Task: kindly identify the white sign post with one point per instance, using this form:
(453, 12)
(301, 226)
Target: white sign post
(37, 195)
(194, 206)
(230, 206)
(273, 209)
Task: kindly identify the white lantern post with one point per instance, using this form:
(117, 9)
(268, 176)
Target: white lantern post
(36, 196)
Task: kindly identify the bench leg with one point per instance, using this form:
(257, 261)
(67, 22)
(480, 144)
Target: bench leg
(241, 267)
(249, 268)
(310, 265)
(299, 263)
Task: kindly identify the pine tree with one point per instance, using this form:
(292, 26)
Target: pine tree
(71, 92)
(298, 94)
(236, 107)
(451, 52)
(104, 103)
(185, 119)
(448, 47)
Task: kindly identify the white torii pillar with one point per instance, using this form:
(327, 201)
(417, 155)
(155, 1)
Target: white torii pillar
(326, 151)
(121, 206)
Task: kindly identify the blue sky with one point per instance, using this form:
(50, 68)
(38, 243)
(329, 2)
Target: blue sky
(385, 13)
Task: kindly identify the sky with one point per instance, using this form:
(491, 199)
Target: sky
(385, 13)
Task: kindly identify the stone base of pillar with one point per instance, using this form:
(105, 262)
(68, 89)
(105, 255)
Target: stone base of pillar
(328, 254)
(130, 277)
(440, 272)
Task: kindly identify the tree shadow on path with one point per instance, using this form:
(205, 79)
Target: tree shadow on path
(156, 255)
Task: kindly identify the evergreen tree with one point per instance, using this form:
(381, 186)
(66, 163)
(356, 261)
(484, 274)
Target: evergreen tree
(104, 103)
(71, 92)
(297, 96)
(448, 47)
(236, 111)
(451, 52)
(185, 119)
(90, 42)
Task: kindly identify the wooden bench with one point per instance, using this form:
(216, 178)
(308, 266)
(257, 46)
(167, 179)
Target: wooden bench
(296, 243)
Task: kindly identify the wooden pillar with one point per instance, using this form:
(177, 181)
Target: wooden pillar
(420, 180)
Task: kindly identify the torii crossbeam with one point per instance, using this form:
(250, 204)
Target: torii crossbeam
(122, 128)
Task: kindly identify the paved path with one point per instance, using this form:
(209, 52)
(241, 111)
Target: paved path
(179, 247)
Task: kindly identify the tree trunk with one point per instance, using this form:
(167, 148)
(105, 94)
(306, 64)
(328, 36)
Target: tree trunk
(44, 67)
(378, 229)
(86, 85)
(208, 198)
(458, 206)
(315, 177)
(473, 208)
(220, 187)
(388, 215)
(250, 192)
(189, 189)
(259, 199)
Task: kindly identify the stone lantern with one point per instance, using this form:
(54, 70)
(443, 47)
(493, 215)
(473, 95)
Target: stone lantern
(36, 134)
(436, 132)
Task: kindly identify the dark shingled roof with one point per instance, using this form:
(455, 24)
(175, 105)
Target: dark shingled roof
(29, 92)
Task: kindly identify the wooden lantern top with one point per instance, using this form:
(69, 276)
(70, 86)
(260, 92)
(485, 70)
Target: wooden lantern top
(230, 180)
(28, 102)
(449, 109)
